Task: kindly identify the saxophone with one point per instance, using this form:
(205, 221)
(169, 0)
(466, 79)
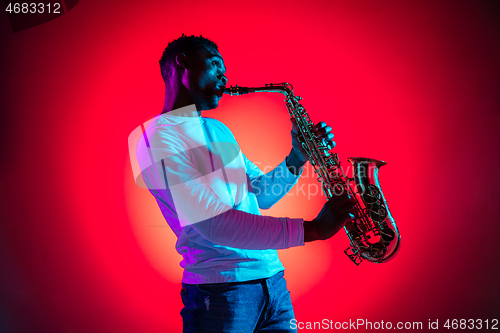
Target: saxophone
(373, 234)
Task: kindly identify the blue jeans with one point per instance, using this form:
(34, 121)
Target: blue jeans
(252, 306)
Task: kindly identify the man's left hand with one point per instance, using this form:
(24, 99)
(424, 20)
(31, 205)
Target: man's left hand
(298, 156)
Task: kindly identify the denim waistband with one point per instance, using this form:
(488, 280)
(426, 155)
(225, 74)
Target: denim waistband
(276, 276)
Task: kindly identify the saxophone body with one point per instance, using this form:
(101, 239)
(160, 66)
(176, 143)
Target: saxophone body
(373, 234)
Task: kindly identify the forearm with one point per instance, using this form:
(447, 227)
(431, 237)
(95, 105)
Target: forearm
(269, 188)
(243, 230)
(294, 162)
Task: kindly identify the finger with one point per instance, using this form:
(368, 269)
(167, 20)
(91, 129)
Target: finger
(345, 203)
(323, 131)
(295, 129)
(331, 144)
(320, 125)
(347, 211)
(327, 136)
(346, 206)
(327, 139)
(346, 218)
(340, 199)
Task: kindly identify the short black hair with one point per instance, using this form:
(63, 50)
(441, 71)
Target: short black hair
(183, 44)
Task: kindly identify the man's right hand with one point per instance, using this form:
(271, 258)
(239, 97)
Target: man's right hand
(335, 214)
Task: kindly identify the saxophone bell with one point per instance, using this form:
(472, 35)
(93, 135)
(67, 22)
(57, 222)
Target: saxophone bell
(373, 235)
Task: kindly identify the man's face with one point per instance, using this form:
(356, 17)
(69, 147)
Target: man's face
(204, 77)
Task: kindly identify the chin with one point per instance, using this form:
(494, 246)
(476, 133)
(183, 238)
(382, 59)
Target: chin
(212, 103)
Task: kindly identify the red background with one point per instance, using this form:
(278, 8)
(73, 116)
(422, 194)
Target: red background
(414, 83)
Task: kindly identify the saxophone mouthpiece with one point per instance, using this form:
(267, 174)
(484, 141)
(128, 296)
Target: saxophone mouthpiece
(235, 91)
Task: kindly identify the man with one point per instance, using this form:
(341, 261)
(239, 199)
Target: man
(210, 195)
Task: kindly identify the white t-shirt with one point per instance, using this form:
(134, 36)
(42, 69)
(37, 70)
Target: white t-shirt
(210, 195)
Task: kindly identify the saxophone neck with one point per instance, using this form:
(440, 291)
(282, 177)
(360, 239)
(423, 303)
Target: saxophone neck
(284, 88)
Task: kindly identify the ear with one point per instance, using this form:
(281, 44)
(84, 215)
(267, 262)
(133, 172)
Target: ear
(181, 60)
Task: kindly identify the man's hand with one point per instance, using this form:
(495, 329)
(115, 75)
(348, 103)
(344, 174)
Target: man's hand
(335, 214)
(298, 156)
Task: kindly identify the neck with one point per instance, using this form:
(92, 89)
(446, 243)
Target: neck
(176, 97)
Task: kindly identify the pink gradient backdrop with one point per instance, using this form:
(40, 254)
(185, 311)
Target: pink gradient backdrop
(413, 83)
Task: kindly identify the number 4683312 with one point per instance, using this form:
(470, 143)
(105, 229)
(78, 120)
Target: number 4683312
(33, 8)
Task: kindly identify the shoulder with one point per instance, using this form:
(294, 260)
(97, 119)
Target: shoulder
(163, 134)
(212, 124)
